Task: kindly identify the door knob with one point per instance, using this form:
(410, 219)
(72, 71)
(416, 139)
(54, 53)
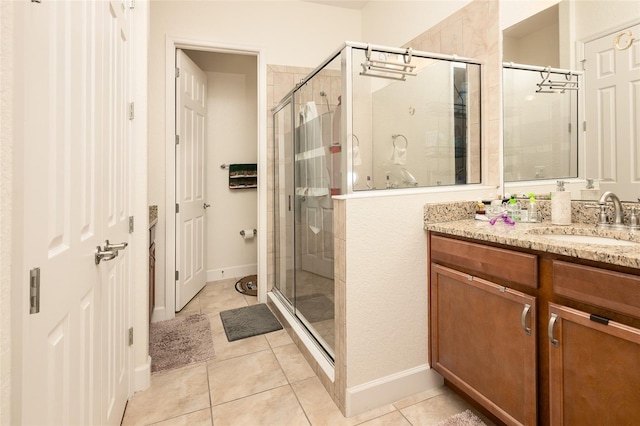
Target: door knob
(206, 205)
(104, 255)
(114, 247)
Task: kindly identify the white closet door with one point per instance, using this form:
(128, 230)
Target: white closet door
(116, 162)
(191, 220)
(71, 95)
(612, 80)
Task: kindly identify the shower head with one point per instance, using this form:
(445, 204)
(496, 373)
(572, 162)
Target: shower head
(326, 99)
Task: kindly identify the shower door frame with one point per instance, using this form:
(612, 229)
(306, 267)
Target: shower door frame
(290, 99)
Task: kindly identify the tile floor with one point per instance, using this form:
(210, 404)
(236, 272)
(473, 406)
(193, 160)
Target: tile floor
(262, 380)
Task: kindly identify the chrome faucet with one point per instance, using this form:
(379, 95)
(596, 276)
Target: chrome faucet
(617, 210)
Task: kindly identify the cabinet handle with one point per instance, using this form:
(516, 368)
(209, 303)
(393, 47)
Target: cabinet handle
(552, 323)
(523, 319)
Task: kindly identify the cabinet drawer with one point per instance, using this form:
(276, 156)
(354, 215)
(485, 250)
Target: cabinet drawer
(508, 265)
(600, 287)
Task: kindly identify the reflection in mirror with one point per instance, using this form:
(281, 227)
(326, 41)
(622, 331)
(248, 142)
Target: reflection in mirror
(415, 130)
(540, 123)
(601, 38)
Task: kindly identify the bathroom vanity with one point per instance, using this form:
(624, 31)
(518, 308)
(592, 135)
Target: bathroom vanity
(536, 327)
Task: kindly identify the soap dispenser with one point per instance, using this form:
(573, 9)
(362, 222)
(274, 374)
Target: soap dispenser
(532, 210)
(590, 192)
(561, 206)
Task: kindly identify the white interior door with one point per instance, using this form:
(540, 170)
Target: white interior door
(73, 83)
(191, 220)
(116, 160)
(612, 80)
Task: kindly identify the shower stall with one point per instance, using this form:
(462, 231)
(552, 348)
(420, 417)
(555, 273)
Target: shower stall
(369, 118)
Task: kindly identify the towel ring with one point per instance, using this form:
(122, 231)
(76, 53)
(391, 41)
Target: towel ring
(406, 142)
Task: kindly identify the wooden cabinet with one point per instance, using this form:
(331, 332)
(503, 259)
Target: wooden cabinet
(580, 364)
(152, 269)
(594, 369)
(483, 334)
(594, 346)
(483, 341)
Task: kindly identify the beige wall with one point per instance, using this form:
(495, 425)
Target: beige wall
(293, 33)
(385, 246)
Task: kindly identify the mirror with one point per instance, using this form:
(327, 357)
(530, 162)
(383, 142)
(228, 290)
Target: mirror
(561, 36)
(416, 130)
(540, 121)
(540, 124)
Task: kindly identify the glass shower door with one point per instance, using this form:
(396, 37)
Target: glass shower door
(307, 155)
(314, 255)
(283, 207)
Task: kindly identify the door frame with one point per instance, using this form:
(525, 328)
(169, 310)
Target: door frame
(172, 44)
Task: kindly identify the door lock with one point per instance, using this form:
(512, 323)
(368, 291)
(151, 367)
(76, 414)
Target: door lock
(105, 255)
(205, 206)
(114, 247)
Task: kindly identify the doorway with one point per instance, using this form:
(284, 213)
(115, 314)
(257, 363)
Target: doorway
(233, 137)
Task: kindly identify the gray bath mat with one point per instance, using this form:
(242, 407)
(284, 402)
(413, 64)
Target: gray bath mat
(249, 321)
(315, 307)
(180, 341)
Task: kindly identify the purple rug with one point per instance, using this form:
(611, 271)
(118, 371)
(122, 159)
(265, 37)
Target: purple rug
(466, 418)
(180, 341)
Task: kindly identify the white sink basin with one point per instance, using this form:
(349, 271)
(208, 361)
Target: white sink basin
(589, 239)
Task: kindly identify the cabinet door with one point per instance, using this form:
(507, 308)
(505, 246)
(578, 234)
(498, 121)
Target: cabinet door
(594, 370)
(483, 341)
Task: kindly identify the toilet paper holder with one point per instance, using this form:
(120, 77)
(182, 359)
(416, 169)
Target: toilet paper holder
(244, 232)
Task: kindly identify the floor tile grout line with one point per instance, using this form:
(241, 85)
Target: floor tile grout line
(209, 390)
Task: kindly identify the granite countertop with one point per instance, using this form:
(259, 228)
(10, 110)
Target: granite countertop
(530, 236)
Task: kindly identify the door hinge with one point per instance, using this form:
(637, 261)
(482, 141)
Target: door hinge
(584, 126)
(584, 64)
(177, 208)
(130, 336)
(131, 111)
(177, 72)
(131, 224)
(34, 291)
(177, 139)
(177, 275)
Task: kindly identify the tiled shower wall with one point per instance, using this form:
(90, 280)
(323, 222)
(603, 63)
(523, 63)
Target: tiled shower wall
(471, 32)
(474, 32)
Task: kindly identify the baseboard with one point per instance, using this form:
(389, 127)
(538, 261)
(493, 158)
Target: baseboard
(159, 314)
(389, 389)
(231, 272)
(142, 376)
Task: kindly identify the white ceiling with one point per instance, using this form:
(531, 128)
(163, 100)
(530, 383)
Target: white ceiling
(358, 5)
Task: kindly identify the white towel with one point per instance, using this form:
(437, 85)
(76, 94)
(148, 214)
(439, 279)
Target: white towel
(356, 156)
(399, 155)
(310, 111)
